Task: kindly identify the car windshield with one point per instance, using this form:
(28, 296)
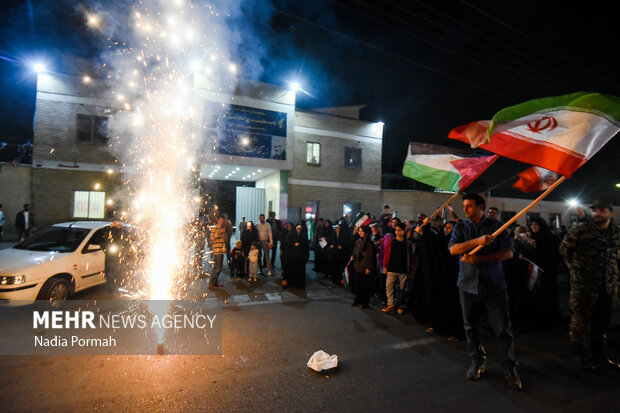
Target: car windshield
(61, 239)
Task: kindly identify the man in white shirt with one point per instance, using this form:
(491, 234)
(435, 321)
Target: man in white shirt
(265, 236)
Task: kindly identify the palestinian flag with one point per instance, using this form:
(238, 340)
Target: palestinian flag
(447, 171)
(535, 179)
(557, 133)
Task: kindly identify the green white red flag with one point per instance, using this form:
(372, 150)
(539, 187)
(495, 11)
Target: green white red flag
(558, 133)
(362, 220)
(447, 171)
(535, 179)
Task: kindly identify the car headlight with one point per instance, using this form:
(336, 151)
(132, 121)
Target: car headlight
(12, 279)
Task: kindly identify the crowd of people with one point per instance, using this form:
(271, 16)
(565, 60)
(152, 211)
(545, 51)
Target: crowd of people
(425, 267)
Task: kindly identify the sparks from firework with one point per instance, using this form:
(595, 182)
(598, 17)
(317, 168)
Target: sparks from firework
(154, 73)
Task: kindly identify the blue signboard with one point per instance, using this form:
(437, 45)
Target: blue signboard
(246, 131)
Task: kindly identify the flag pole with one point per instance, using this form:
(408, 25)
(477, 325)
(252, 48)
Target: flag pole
(445, 204)
(523, 211)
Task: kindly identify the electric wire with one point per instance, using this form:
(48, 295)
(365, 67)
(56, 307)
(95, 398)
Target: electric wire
(542, 45)
(525, 80)
(503, 96)
(555, 74)
(511, 63)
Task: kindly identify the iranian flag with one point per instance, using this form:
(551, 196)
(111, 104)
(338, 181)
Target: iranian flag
(362, 220)
(446, 170)
(535, 179)
(557, 133)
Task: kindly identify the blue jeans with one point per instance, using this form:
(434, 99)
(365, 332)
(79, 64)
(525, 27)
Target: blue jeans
(496, 305)
(217, 268)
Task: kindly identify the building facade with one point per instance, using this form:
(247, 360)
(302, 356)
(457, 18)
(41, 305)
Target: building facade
(301, 164)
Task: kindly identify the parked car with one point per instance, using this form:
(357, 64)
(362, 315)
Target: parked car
(54, 263)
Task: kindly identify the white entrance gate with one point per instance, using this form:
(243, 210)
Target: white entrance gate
(250, 203)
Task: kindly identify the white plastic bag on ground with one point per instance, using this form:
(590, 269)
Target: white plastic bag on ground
(320, 360)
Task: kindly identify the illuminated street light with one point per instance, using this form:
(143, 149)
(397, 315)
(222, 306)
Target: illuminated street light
(574, 203)
(618, 185)
(39, 67)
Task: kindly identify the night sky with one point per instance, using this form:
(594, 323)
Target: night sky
(422, 67)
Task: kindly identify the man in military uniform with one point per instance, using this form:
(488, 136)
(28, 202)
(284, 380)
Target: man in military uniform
(591, 251)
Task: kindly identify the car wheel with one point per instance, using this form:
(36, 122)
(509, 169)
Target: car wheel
(55, 291)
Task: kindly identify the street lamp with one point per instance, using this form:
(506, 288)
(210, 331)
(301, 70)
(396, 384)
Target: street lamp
(295, 86)
(38, 67)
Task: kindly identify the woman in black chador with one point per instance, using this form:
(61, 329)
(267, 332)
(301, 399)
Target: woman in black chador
(428, 295)
(297, 252)
(544, 308)
(288, 229)
(451, 320)
(339, 252)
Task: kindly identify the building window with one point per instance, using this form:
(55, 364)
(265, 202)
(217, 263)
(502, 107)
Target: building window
(555, 220)
(92, 128)
(88, 204)
(351, 209)
(352, 157)
(313, 153)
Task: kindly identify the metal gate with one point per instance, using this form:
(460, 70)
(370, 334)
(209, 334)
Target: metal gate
(250, 203)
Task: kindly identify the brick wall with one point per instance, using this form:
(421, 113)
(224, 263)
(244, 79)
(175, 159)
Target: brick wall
(14, 193)
(331, 199)
(53, 192)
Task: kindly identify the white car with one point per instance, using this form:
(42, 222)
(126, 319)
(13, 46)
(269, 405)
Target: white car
(53, 263)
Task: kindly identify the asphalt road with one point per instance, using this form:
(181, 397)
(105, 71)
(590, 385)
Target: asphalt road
(386, 363)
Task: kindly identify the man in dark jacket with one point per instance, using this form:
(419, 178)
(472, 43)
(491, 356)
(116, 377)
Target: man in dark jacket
(24, 222)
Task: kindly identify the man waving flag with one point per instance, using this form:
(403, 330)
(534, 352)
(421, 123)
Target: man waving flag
(557, 133)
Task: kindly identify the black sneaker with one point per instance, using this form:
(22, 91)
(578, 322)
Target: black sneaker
(475, 371)
(513, 380)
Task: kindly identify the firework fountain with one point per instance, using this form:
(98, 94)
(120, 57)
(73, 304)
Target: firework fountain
(159, 130)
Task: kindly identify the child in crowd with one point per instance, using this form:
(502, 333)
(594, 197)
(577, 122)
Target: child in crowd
(236, 262)
(253, 261)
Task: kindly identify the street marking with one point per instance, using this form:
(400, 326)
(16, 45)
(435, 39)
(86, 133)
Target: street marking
(241, 298)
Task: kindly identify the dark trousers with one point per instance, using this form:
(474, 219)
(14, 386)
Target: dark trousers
(362, 287)
(218, 260)
(274, 249)
(496, 307)
(590, 317)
